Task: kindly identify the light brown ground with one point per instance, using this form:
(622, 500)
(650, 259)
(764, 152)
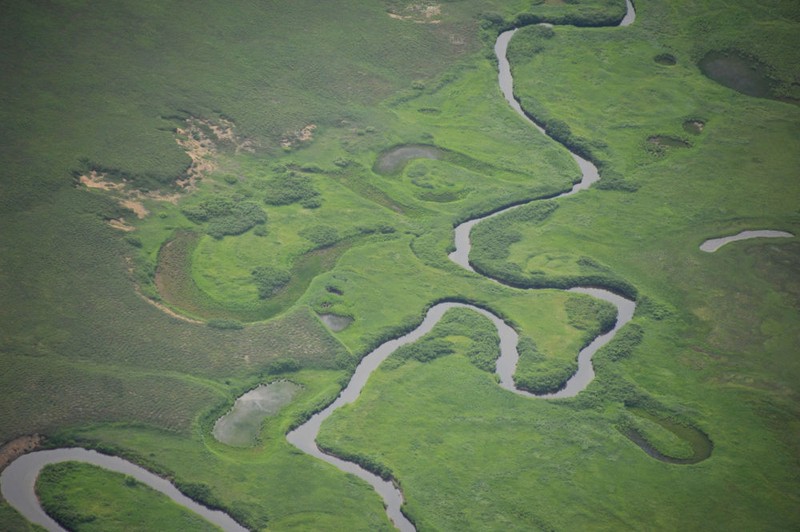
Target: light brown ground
(119, 223)
(201, 147)
(304, 135)
(12, 450)
(419, 13)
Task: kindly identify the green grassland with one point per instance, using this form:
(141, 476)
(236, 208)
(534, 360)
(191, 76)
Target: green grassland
(114, 501)
(301, 223)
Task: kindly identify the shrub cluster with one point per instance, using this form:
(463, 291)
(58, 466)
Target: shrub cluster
(283, 365)
(291, 187)
(624, 343)
(321, 235)
(548, 379)
(425, 350)
(537, 374)
(482, 351)
(226, 215)
(590, 314)
(270, 280)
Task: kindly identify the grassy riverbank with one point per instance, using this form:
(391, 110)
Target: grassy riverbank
(113, 501)
(278, 117)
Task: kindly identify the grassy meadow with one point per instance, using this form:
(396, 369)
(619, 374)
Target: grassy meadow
(237, 196)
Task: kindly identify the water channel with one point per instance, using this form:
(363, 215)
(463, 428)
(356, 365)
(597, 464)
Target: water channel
(712, 245)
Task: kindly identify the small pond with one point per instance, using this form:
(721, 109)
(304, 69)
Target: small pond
(240, 426)
(702, 446)
(335, 322)
(394, 159)
(738, 72)
(713, 244)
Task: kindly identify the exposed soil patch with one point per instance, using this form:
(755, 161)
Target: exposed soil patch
(297, 138)
(136, 206)
(202, 140)
(694, 127)
(665, 59)
(119, 223)
(99, 181)
(738, 71)
(12, 450)
(419, 13)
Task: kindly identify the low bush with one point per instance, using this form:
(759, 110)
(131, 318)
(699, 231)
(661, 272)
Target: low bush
(283, 365)
(321, 235)
(292, 187)
(270, 280)
(226, 215)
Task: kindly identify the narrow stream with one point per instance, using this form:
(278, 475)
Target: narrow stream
(713, 244)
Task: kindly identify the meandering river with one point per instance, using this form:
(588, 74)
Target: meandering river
(304, 437)
(18, 480)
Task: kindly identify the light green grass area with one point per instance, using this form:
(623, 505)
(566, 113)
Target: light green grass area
(291, 219)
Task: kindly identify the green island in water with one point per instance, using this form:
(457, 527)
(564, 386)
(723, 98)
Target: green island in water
(416, 265)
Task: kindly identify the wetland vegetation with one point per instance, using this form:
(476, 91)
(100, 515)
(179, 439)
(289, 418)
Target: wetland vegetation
(187, 190)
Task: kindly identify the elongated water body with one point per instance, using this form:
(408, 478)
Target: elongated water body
(19, 478)
(304, 437)
(712, 245)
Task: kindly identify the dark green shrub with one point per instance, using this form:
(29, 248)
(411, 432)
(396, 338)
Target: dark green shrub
(321, 235)
(225, 324)
(225, 215)
(283, 365)
(270, 280)
(425, 350)
(291, 187)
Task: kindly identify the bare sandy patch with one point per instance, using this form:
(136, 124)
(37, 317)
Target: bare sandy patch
(201, 139)
(15, 448)
(136, 206)
(419, 13)
(294, 139)
(98, 180)
(120, 224)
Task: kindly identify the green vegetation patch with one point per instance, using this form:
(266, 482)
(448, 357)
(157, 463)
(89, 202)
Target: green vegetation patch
(292, 187)
(226, 215)
(85, 497)
(460, 328)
